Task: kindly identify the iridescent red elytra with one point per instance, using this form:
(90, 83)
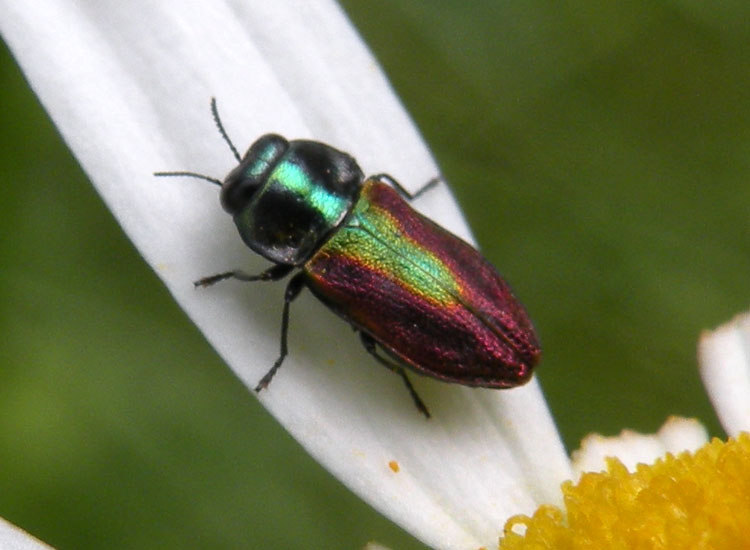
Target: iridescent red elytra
(426, 298)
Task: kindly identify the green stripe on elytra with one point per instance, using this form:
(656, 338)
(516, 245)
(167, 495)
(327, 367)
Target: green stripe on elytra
(374, 234)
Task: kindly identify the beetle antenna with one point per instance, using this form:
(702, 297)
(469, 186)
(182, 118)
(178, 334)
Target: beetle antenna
(190, 175)
(220, 126)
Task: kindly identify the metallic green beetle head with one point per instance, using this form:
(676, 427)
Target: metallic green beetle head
(287, 197)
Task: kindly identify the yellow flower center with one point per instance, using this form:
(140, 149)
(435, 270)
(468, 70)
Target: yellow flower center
(696, 501)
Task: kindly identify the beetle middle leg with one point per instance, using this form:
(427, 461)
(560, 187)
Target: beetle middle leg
(371, 346)
(293, 288)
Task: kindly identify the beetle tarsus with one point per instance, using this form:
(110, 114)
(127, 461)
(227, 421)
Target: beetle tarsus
(213, 279)
(370, 345)
(263, 384)
(421, 407)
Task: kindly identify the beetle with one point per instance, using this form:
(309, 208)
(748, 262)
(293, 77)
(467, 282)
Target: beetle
(419, 297)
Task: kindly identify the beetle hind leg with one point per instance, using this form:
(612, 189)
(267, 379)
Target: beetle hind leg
(371, 346)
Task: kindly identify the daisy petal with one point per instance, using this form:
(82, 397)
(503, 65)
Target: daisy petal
(724, 359)
(632, 448)
(13, 538)
(128, 85)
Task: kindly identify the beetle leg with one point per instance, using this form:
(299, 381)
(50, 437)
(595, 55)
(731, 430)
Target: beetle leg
(385, 178)
(370, 345)
(273, 273)
(293, 289)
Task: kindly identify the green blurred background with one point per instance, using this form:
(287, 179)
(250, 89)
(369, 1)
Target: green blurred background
(601, 152)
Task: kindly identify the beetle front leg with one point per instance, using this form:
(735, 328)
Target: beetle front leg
(371, 346)
(292, 291)
(385, 178)
(273, 273)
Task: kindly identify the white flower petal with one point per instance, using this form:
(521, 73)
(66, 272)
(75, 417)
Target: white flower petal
(128, 85)
(13, 538)
(632, 448)
(724, 359)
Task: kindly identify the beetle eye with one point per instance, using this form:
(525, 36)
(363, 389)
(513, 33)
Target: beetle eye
(247, 177)
(237, 192)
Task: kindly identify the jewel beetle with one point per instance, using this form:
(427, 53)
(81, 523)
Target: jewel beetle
(419, 297)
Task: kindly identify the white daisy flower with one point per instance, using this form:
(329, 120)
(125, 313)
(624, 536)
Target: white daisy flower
(128, 85)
